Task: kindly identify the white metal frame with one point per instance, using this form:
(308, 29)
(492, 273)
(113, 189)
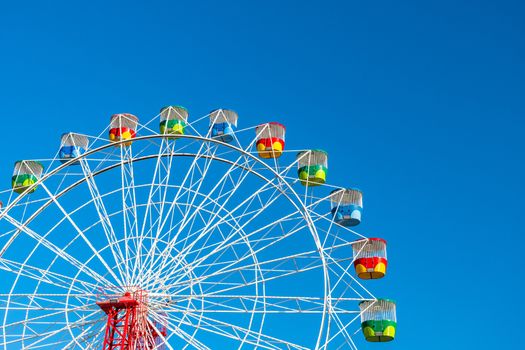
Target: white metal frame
(200, 250)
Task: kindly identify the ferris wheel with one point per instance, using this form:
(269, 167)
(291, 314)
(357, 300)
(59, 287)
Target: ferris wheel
(176, 233)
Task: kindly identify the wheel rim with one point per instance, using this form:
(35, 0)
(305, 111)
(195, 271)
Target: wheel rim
(254, 331)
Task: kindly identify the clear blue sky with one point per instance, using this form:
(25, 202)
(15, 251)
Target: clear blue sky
(419, 103)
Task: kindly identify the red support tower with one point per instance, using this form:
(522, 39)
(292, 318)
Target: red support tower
(127, 327)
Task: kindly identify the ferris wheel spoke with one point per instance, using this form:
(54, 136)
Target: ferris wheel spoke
(184, 252)
(188, 176)
(88, 336)
(205, 247)
(129, 210)
(276, 273)
(272, 269)
(328, 217)
(342, 330)
(201, 173)
(156, 188)
(40, 337)
(155, 257)
(172, 270)
(207, 198)
(163, 340)
(40, 301)
(266, 241)
(159, 181)
(161, 219)
(200, 325)
(343, 274)
(192, 232)
(197, 211)
(235, 229)
(42, 318)
(229, 266)
(221, 287)
(174, 204)
(42, 275)
(341, 271)
(242, 304)
(105, 221)
(45, 340)
(54, 249)
(220, 191)
(232, 222)
(241, 334)
(189, 339)
(270, 243)
(81, 234)
(221, 247)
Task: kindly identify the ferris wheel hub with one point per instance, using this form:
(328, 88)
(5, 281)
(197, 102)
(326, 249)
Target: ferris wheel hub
(127, 322)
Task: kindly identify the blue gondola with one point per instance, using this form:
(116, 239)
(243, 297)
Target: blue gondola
(347, 206)
(223, 123)
(72, 146)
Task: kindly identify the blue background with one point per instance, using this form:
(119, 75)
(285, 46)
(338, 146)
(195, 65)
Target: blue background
(419, 103)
